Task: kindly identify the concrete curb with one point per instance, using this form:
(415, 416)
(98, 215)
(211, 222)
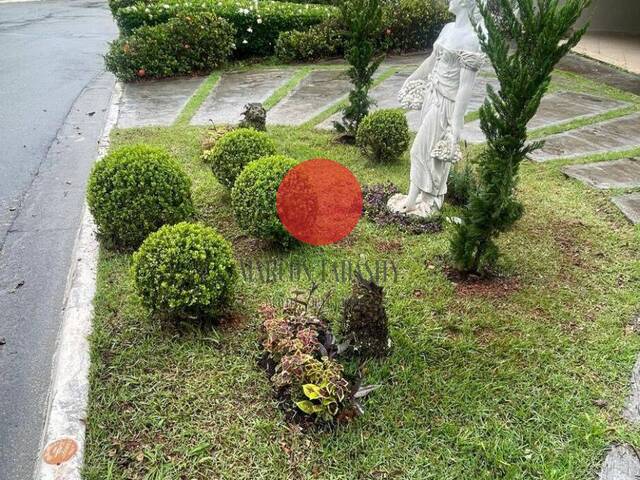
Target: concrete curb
(64, 432)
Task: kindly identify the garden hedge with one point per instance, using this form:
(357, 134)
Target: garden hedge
(257, 24)
(185, 44)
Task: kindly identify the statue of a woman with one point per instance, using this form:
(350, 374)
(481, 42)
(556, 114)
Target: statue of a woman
(441, 87)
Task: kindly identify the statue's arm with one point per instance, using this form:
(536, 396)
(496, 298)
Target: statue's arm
(465, 91)
(423, 71)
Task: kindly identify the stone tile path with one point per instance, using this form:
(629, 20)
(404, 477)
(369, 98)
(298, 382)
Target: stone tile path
(317, 91)
(234, 90)
(155, 102)
(629, 205)
(610, 136)
(554, 109)
(622, 463)
(615, 174)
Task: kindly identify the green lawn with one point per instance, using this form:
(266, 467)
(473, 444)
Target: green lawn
(525, 377)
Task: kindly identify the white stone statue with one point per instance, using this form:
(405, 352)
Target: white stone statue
(441, 88)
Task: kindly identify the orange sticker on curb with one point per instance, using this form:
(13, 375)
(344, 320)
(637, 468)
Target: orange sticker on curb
(60, 451)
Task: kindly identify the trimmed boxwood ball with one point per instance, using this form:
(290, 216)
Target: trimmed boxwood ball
(254, 198)
(184, 270)
(235, 150)
(383, 135)
(134, 191)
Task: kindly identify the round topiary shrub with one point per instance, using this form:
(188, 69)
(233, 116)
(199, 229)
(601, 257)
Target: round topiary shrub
(254, 197)
(134, 191)
(235, 150)
(184, 270)
(383, 135)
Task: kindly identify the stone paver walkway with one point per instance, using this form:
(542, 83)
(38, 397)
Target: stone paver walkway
(629, 205)
(622, 463)
(316, 92)
(610, 136)
(157, 102)
(623, 173)
(234, 90)
(554, 109)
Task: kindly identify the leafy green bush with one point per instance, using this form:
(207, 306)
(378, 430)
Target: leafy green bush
(115, 5)
(412, 24)
(235, 150)
(134, 191)
(254, 197)
(258, 24)
(383, 135)
(185, 44)
(320, 41)
(184, 270)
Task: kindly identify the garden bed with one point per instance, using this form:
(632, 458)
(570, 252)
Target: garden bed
(525, 381)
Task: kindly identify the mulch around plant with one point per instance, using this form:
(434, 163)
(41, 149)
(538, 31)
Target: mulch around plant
(375, 198)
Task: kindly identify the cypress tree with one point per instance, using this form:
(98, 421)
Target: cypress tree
(363, 21)
(524, 47)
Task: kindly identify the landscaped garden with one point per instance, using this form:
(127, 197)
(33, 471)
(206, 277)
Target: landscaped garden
(224, 348)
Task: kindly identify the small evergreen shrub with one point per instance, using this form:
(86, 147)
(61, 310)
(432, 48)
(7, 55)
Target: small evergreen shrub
(364, 319)
(461, 184)
(185, 44)
(235, 150)
(383, 135)
(254, 198)
(325, 40)
(363, 22)
(257, 24)
(523, 45)
(134, 191)
(254, 116)
(184, 270)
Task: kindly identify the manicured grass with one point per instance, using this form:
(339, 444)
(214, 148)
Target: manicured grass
(498, 381)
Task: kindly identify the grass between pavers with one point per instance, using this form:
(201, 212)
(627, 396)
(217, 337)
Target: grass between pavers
(197, 99)
(499, 382)
(340, 104)
(282, 91)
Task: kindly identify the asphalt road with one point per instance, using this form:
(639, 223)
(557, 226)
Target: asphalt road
(53, 99)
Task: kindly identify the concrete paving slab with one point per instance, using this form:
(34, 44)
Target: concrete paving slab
(632, 408)
(601, 73)
(226, 102)
(314, 93)
(623, 173)
(554, 109)
(155, 102)
(629, 204)
(622, 463)
(613, 135)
